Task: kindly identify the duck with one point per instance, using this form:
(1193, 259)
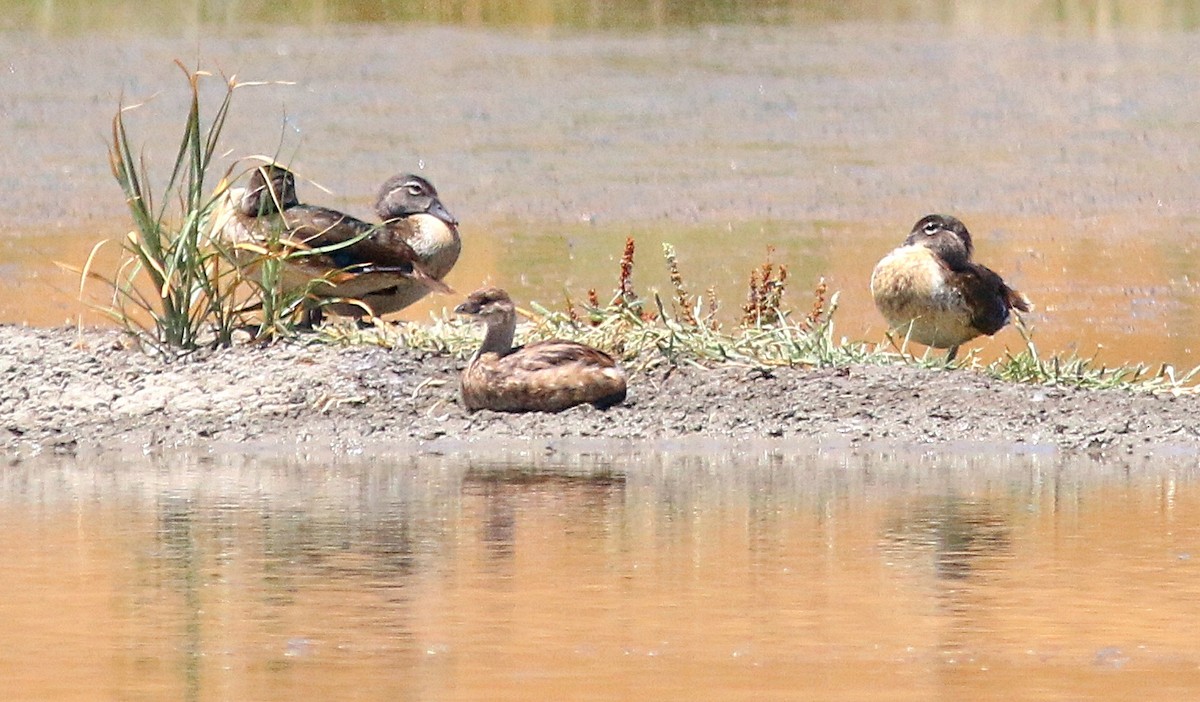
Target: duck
(930, 289)
(411, 211)
(356, 258)
(546, 376)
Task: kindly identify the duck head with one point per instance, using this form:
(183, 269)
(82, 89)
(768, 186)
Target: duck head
(407, 194)
(272, 189)
(487, 304)
(945, 236)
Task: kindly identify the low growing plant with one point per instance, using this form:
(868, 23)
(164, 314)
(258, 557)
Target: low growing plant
(645, 332)
(1028, 366)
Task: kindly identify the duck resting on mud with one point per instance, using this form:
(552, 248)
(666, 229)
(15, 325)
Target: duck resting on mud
(347, 257)
(546, 376)
(931, 291)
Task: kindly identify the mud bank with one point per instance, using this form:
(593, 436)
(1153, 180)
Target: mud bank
(66, 388)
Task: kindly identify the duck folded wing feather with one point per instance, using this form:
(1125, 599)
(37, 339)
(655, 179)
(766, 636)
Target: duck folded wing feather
(356, 246)
(542, 355)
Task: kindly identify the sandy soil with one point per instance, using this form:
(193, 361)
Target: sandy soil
(64, 389)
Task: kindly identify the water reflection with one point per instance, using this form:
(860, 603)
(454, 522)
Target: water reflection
(531, 574)
(955, 532)
(506, 493)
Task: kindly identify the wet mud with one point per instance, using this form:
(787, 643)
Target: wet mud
(63, 390)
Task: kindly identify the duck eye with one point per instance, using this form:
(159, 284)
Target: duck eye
(413, 189)
(932, 228)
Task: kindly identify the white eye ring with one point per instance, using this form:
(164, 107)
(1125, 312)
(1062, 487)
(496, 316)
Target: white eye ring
(414, 189)
(931, 228)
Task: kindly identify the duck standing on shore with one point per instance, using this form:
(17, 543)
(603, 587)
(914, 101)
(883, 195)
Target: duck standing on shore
(931, 291)
(349, 258)
(412, 212)
(546, 376)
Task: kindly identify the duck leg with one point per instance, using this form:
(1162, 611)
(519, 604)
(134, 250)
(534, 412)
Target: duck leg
(312, 317)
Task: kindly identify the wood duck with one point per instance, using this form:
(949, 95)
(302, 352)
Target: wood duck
(411, 211)
(355, 259)
(931, 291)
(547, 376)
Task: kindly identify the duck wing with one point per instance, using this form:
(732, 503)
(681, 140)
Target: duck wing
(356, 246)
(989, 298)
(557, 353)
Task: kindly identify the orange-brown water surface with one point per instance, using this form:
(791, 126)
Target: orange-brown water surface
(1063, 134)
(731, 575)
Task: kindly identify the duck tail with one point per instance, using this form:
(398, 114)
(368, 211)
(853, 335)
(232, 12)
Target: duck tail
(1017, 300)
(411, 271)
(422, 276)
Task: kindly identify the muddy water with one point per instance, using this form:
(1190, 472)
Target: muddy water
(740, 573)
(1063, 134)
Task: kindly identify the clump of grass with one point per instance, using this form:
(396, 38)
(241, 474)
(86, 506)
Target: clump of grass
(1028, 366)
(647, 331)
(176, 287)
(170, 291)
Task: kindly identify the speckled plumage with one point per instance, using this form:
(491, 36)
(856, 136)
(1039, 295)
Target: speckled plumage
(411, 210)
(364, 259)
(547, 376)
(930, 291)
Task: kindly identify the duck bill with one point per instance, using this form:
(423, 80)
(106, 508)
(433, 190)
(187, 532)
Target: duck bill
(437, 209)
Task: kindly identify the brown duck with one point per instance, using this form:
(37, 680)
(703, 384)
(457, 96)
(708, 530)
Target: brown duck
(348, 257)
(547, 376)
(931, 291)
(412, 212)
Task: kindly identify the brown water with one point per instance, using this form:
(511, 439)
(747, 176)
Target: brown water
(740, 573)
(1062, 133)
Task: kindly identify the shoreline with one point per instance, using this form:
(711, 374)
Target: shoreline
(65, 389)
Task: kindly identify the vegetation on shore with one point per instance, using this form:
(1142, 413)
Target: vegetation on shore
(646, 332)
(171, 290)
(178, 289)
